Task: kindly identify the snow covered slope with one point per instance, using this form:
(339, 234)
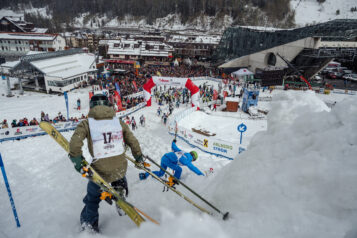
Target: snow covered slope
(297, 178)
(311, 12)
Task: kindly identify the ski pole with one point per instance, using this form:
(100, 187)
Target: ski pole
(225, 215)
(9, 192)
(175, 130)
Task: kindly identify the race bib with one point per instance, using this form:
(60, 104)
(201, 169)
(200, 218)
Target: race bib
(107, 137)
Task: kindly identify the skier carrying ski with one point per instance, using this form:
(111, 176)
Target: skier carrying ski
(105, 136)
(174, 160)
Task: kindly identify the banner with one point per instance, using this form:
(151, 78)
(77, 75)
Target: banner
(27, 131)
(66, 99)
(17, 133)
(207, 144)
(117, 88)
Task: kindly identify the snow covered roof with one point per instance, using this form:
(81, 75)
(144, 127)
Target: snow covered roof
(66, 66)
(231, 99)
(242, 72)
(138, 47)
(10, 64)
(27, 36)
(39, 30)
(195, 39)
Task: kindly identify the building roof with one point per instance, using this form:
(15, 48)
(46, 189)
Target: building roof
(66, 66)
(194, 39)
(143, 48)
(27, 36)
(240, 41)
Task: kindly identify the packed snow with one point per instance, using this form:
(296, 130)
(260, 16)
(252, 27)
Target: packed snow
(296, 179)
(308, 12)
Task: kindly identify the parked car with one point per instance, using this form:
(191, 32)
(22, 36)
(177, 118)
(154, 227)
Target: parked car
(352, 77)
(335, 75)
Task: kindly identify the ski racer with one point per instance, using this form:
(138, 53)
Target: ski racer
(174, 160)
(106, 137)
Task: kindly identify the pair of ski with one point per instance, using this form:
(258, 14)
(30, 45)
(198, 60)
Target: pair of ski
(225, 215)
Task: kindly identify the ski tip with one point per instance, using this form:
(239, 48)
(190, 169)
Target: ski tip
(225, 216)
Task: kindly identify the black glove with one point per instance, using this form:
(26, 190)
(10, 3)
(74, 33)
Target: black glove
(139, 162)
(78, 162)
(174, 141)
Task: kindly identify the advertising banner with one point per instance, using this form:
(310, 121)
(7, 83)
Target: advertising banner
(207, 144)
(27, 131)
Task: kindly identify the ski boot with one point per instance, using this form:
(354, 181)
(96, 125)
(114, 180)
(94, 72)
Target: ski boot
(143, 176)
(172, 182)
(90, 228)
(121, 186)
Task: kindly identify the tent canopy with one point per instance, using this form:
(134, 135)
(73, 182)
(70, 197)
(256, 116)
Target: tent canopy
(242, 72)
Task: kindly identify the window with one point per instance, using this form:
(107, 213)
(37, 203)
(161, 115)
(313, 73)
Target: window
(116, 45)
(136, 46)
(161, 47)
(126, 45)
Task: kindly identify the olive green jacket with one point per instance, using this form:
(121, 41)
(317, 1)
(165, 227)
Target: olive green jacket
(111, 168)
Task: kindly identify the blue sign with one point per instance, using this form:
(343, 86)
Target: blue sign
(3, 77)
(66, 99)
(241, 128)
(241, 149)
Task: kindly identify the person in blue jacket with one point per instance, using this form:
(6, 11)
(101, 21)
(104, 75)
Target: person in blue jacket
(174, 160)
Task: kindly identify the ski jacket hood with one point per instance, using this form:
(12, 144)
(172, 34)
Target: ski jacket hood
(101, 112)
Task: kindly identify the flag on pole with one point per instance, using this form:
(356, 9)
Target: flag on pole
(66, 99)
(9, 192)
(136, 88)
(118, 100)
(117, 88)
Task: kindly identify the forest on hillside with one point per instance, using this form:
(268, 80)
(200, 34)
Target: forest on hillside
(242, 11)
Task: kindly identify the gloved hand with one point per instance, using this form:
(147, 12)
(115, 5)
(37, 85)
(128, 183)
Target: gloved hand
(174, 141)
(78, 162)
(139, 162)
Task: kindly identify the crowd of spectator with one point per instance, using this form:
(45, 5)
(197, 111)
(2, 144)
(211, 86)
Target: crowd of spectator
(130, 81)
(34, 121)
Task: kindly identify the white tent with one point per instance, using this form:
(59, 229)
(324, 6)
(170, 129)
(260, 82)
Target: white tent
(242, 72)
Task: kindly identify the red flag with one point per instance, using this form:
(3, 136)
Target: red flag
(136, 88)
(225, 93)
(90, 95)
(118, 100)
(215, 94)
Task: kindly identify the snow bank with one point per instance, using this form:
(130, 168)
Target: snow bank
(298, 178)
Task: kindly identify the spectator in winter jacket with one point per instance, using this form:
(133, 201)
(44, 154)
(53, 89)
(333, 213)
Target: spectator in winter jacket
(13, 123)
(174, 160)
(4, 124)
